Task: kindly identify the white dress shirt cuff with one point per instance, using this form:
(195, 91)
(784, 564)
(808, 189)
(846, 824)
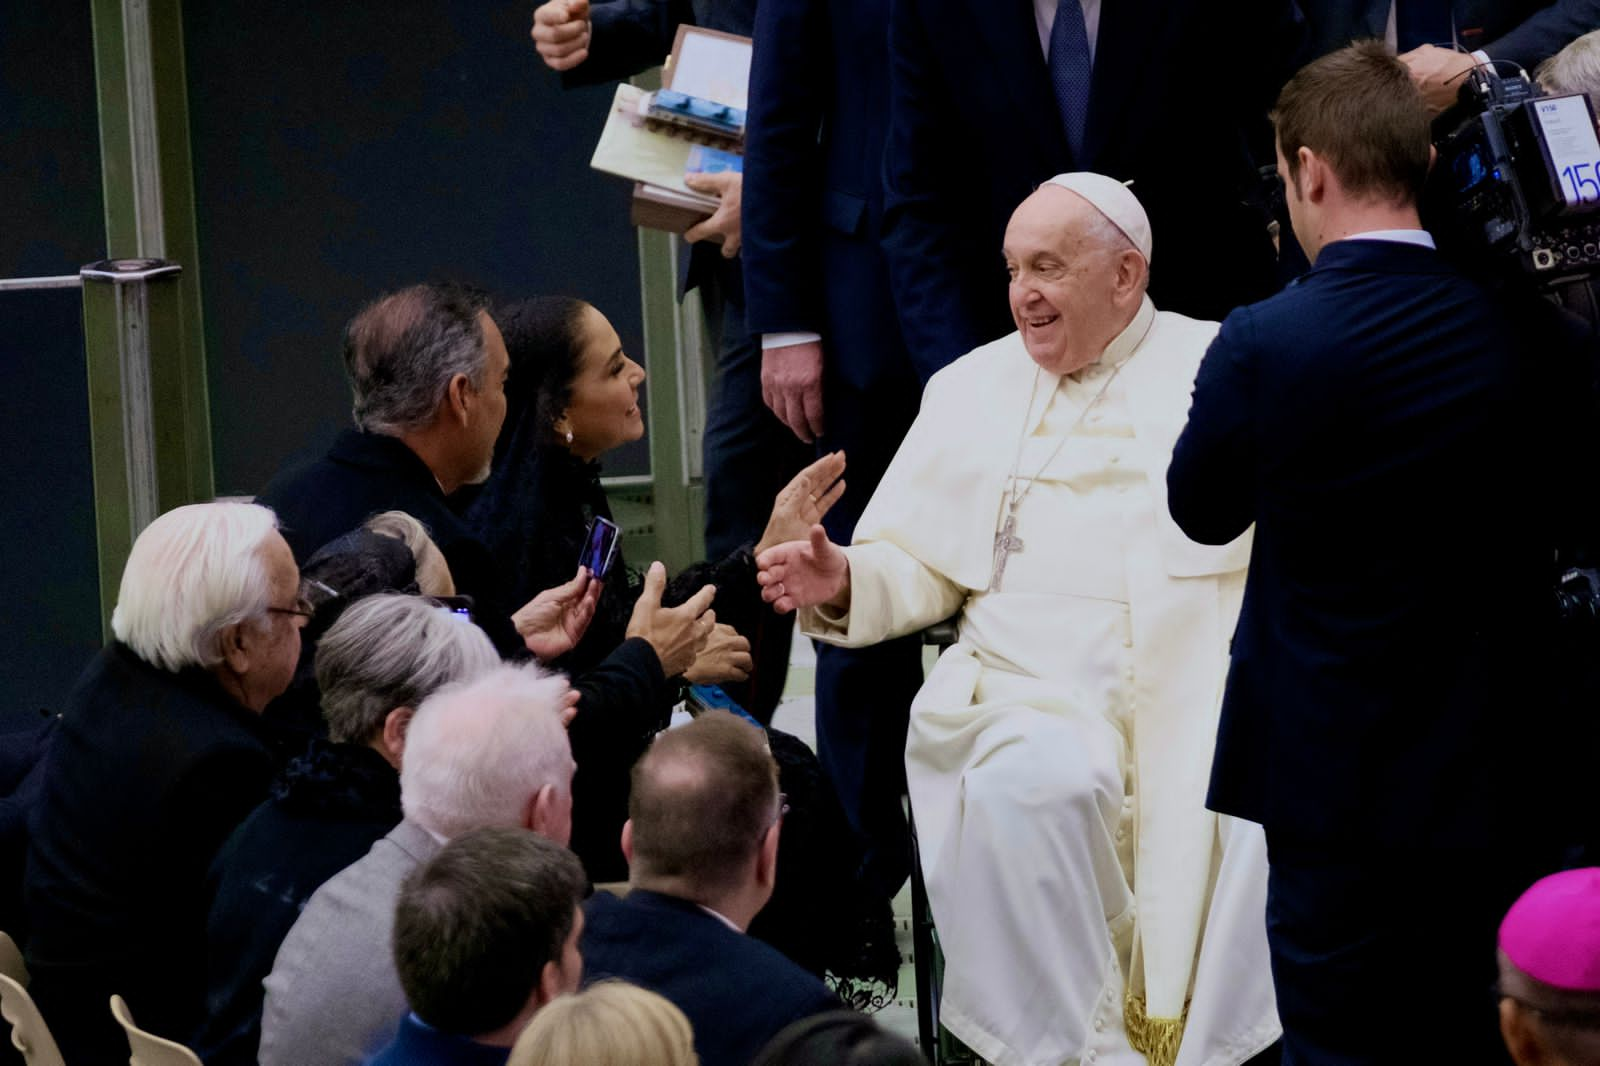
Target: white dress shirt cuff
(786, 340)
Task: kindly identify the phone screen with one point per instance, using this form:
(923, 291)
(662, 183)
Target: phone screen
(600, 547)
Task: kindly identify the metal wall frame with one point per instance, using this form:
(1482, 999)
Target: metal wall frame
(144, 339)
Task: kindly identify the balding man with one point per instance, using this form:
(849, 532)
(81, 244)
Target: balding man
(702, 845)
(1088, 905)
(158, 757)
(487, 752)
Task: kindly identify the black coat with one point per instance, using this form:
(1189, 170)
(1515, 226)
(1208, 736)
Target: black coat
(534, 515)
(326, 810)
(366, 473)
(737, 991)
(1387, 680)
(1178, 104)
(147, 775)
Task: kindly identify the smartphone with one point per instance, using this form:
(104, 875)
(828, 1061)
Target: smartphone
(600, 547)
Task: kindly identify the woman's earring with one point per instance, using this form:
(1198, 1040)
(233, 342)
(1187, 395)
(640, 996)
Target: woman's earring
(569, 436)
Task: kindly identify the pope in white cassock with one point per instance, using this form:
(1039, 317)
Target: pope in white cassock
(1090, 908)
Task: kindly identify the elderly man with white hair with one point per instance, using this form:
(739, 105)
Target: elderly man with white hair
(1090, 908)
(482, 753)
(158, 757)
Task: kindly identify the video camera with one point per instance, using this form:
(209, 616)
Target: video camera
(1516, 186)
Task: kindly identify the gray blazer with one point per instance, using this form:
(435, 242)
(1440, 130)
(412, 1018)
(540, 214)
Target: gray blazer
(333, 998)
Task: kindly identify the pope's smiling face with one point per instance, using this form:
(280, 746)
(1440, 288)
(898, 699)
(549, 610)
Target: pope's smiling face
(1076, 282)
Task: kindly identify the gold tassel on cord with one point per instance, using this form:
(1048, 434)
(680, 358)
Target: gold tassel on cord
(1156, 1038)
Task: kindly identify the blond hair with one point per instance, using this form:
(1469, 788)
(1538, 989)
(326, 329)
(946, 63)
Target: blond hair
(428, 560)
(611, 1023)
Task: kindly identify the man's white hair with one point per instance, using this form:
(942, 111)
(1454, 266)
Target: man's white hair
(478, 749)
(1574, 69)
(192, 573)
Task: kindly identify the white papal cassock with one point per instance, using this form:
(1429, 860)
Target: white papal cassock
(1059, 752)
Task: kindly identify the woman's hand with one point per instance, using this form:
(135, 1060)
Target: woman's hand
(552, 623)
(676, 633)
(726, 657)
(804, 573)
(804, 501)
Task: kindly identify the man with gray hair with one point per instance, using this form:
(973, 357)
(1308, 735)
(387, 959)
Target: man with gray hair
(427, 370)
(1088, 904)
(487, 752)
(158, 756)
(374, 666)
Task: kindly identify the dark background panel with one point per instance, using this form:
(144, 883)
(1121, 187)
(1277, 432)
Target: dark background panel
(50, 186)
(345, 149)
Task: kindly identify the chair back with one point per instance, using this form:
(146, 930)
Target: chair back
(29, 1034)
(147, 1049)
(11, 964)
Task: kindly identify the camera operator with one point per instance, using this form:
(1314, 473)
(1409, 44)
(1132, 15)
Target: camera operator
(1385, 715)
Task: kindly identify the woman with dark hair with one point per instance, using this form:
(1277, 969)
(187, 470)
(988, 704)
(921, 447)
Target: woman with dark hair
(573, 395)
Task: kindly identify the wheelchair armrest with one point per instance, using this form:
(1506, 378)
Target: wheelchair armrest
(941, 634)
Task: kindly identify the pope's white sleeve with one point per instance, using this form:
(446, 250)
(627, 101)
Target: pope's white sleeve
(892, 594)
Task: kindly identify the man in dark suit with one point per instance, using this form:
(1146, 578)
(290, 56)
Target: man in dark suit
(987, 101)
(702, 846)
(1385, 716)
(833, 365)
(1524, 32)
(158, 757)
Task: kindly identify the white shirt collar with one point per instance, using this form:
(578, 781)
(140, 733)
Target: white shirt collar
(719, 916)
(1420, 237)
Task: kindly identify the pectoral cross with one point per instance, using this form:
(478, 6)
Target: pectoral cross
(1005, 542)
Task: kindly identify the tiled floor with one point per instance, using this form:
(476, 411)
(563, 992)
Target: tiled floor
(796, 715)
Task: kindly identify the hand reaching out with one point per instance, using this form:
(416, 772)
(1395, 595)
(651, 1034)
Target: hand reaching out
(726, 657)
(676, 633)
(804, 573)
(803, 501)
(552, 623)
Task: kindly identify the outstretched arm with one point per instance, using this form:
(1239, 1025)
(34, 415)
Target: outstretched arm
(859, 595)
(1211, 481)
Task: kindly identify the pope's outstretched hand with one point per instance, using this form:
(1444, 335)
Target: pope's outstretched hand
(804, 573)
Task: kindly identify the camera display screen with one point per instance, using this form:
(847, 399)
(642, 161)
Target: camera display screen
(1569, 135)
(1472, 168)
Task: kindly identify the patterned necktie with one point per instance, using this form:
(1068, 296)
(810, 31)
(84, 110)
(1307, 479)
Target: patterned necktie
(1420, 22)
(1069, 73)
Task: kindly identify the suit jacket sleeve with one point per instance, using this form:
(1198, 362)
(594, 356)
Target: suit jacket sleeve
(1545, 33)
(789, 74)
(937, 316)
(627, 37)
(1211, 482)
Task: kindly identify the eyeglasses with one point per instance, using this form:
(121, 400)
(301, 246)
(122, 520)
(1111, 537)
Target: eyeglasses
(311, 595)
(302, 607)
